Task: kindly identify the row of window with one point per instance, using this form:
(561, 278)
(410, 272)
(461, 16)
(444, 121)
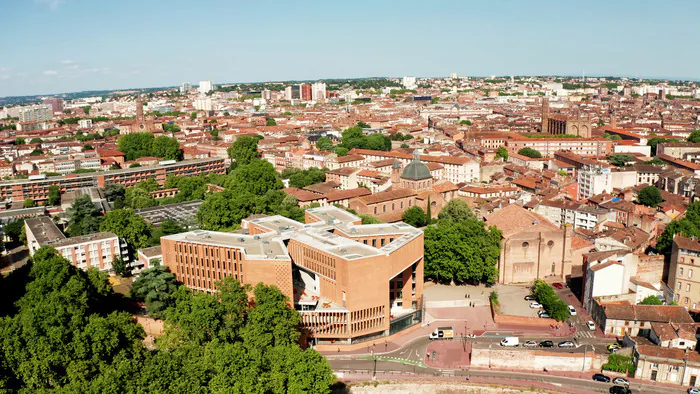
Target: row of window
(393, 206)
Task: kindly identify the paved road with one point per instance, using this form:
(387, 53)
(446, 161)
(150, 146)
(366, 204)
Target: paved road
(369, 367)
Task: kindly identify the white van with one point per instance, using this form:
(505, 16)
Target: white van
(510, 341)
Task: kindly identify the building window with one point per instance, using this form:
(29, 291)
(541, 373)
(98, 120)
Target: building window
(687, 287)
(690, 273)
(679, 286)
(525, 244)
(685, 300)
(680, 272)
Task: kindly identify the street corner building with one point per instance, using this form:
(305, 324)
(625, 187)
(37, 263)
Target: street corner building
(347, 280)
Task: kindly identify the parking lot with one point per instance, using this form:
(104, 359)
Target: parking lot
(512, 301)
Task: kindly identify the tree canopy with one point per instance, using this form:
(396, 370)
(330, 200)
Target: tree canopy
(243, 150)
(620, 160)
(689, 225)
(84, 217)
(461, 249)
(502, 152)
(529, 152)
(415, 216)
(136, 145)
(54, 195)
(649, 196)
(694, 136)
(555, 307)
(651, 300)
(129, 226)
(302, 178)
(155, 287)
(457, 211)
(324, 144)
(354, 138)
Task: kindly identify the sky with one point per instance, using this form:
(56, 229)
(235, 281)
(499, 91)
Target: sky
(55, 46)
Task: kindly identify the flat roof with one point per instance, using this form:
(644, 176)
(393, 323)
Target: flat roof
(44, 230)
(255, 247)
(181, 211)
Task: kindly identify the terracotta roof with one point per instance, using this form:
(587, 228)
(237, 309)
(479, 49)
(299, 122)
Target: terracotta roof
(686, 243)
(302, 195)
(344, 171)
(445, 187)
(350, 158)
(651, 313)
(322, 188)
(338, 195)
(513, 219)
(387, 195)
(602, 266)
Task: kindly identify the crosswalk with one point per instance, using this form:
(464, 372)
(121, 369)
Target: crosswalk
(584, 334)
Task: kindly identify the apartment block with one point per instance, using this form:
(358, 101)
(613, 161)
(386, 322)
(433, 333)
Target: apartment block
(683, 279)
(347, 280)
(96, 250)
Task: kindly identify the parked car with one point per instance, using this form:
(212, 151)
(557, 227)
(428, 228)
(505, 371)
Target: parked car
(613, 347)
(535, 305)
(621, 381)
(546, 344)
(591, 325)
(542, 312)
(620, 390)
(530, 297)
(566, 344)
(544, 315)
(557, 286)
(530, 344)
(599, 377)
(693, 390)
(572, 310)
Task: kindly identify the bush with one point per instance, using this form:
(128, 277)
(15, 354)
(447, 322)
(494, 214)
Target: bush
(619, 363)
(555, 307)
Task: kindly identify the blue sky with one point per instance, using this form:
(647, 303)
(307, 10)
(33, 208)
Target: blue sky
(52, 46)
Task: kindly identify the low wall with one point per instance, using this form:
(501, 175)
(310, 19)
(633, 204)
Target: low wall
(533, 360)
(453, 304)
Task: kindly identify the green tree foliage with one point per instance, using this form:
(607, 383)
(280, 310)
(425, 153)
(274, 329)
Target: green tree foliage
(456, 211)
(135, 145)
(243, 150)
(171, 128)
(167, 148)
(84, 217)
(28, 203)
(369, 219)
(119, 265)
(86, 110)
(529, 152)
(313, 175)
(464, 251)
(415, 216)
(20, 141)
(649, 196)
(15, 230)
(54, 195)
(620, 160)
(354, 138)
(257, 177)
(611, 137)
(36, 140)
(115, 194)
(270, 122)
(324, 144)
(555, 307)
(502, 152)
(138, 197)
(400, 137)
(128, 226)
(167, 227)
(689, 226)
(651, 300)
(694, 136)
(60, 339)
(465, 122)
(155, 287)
(341, 151)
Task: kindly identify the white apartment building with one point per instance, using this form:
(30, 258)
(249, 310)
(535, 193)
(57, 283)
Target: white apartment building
(205, 87)
(318, 91)
(85, 123)
(96, 250)
(185, 87)
(36, 113)
(409, 82)
(593, 180)
(203, 104)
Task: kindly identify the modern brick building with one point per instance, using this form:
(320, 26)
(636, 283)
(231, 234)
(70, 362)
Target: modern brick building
(348, 281)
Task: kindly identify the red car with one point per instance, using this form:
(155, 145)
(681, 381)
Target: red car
(558, 285)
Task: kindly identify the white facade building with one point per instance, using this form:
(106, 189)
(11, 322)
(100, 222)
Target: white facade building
(318, 91)
(409, 82)
(185, 87)
(203, 104)
(593, 180)
(205, 87)
(36, 113)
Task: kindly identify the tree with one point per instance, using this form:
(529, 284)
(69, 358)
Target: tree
(324, 144)
(502, 152)
(653, 142)
(14, 230)
(28, 203)
(243, 150)
(88, 147)
(651, 300)
(415, 217)
(155, 286)
(649, 196)
(138, 197)
(341, 151)
(307, 177)
(369, 219)
(457, 211)
(36, 140)
(128, 226)
(136, 145)
(86, 110)
(166, 147)
(465, 122)
(115, 194)
(20, 141)
(555, 307)
(119, 265)
(694, 136)
(363, 125)
(529, 152)
(257, 177)
(54, 195)
(462, 251)
(405, 146)
(620, 160)
(270, 122)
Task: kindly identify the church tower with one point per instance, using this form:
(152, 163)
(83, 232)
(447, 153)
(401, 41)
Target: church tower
(396, 174)
(545, 115)
(139, 111)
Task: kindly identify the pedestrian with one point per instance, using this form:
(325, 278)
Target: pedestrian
(338, 350)
(467, 377)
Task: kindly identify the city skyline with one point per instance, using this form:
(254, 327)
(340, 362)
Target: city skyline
(111, 46)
